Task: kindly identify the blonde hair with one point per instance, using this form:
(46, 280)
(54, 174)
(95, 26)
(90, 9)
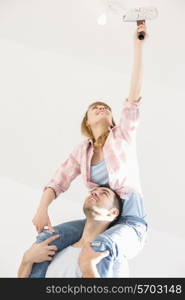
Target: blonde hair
(86, 130)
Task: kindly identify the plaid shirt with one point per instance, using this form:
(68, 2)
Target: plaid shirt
(119, 153)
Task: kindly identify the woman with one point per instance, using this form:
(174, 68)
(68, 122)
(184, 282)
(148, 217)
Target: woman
(106, 157)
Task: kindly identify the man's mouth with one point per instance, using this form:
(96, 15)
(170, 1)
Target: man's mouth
(92, 198)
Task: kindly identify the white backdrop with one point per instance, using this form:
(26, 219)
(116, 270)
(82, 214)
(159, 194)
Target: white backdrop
(54, 61)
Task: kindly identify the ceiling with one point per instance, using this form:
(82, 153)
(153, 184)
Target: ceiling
(71, 26)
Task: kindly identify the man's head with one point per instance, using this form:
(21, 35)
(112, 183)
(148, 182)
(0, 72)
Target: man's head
(103, 204)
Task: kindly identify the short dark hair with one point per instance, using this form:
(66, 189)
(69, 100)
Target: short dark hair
(118, 202)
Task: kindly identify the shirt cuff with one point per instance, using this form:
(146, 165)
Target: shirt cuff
(55, 192)
(133, 103)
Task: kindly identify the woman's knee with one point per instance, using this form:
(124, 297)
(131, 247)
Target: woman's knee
(102, 243)
(44, 235)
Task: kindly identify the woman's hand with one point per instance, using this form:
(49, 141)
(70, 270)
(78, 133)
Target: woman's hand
(141, 27)
(41, 219)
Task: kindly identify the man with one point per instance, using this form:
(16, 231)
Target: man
(102, 209)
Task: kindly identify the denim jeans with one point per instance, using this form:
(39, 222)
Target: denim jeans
(123, 240)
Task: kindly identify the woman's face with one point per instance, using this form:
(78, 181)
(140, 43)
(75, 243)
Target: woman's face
(97, 113)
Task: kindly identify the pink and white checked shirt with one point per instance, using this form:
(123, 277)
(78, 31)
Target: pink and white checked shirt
(119, 154)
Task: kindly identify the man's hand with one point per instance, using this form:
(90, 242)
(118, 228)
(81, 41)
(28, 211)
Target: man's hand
(88, 259)
(36, 254)
(39, 252)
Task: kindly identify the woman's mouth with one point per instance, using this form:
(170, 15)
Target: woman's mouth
(101, 112)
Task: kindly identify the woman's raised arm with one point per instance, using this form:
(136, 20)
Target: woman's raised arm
(136, 78)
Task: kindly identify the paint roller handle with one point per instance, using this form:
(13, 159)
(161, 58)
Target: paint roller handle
(141, 34)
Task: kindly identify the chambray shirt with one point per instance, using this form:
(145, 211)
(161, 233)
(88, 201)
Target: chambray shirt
(119, 154)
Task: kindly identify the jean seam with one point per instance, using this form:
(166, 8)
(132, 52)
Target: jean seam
(110, 243)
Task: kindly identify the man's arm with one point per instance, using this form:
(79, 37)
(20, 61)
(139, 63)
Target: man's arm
(35, 254)
(24, 269)
(88, 259)
(90, 272)
(136, 78)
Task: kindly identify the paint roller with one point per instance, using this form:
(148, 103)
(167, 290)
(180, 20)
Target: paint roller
(139, 15)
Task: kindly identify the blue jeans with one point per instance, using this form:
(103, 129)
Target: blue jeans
(124, 239)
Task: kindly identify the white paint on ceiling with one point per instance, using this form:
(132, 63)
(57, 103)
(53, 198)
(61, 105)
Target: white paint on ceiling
(71, 26)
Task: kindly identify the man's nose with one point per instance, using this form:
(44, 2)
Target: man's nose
(95, 193)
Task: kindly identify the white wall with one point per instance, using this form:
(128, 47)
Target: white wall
(46, 88)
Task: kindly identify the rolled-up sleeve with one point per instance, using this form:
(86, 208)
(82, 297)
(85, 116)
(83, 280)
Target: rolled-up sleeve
(65, 173)
(129, 119)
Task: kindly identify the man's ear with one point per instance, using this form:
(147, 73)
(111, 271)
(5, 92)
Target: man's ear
(114, 212)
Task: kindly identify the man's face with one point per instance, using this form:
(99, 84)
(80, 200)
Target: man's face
(100, 203)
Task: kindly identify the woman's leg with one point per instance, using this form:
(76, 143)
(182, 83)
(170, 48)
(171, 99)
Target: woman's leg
(124, 240)
(70, 232)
